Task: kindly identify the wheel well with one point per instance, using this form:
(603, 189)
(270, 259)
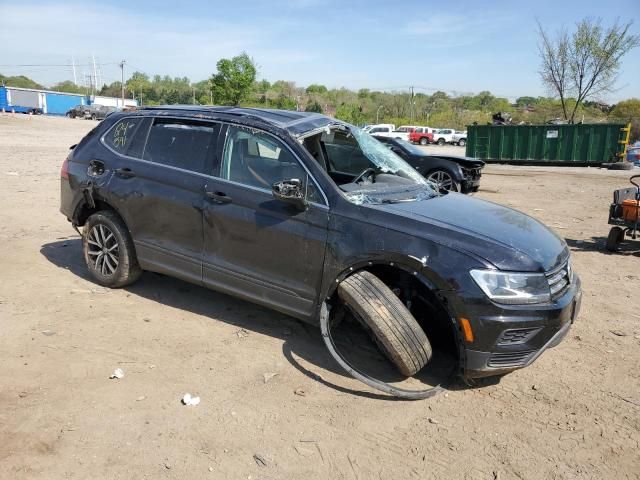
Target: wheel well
(84, 211)
(427, 307)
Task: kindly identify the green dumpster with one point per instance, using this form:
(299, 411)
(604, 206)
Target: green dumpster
(578, 144)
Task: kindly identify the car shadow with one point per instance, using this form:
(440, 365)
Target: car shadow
(598, 244)
(303, 345)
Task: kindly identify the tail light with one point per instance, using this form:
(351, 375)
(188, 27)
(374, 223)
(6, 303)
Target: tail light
(64, 171)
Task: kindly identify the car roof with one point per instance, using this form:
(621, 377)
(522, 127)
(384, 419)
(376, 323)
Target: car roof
(296, 123)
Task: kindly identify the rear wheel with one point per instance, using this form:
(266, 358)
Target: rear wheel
(462, 142)
(441, 141)
(108, 250)
(444, 181)
(394, 329)
(424, 141)
(616, 235)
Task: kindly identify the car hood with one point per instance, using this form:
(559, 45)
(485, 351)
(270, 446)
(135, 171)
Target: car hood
(467, 162)
(508, 239)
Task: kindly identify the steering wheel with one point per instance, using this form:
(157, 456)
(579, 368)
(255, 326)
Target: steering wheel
(365, 173)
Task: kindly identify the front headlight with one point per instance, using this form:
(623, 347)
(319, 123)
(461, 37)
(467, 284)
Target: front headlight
(513, 288)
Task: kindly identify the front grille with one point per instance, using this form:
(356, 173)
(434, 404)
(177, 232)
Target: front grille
(517, 335)
(510, 359)
(472, 173)
(559, 279)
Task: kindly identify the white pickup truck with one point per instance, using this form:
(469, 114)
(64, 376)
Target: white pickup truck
(443, 135)
(389, 130)
(460, 138)
(448, 135)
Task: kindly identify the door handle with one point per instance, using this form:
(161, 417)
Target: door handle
(125, 172)
(218, 197)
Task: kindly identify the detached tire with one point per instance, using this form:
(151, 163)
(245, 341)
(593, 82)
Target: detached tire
(109, 251)
(396, 331)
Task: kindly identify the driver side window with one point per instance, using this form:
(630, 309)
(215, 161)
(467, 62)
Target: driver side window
(258, 160)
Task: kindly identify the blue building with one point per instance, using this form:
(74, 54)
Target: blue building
(24, 100)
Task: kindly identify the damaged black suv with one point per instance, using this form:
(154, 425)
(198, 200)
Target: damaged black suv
(311, 216)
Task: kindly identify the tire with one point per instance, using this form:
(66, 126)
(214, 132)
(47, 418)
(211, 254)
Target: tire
(444, 180)
(424, 141)
(616, 235)
(93, 116)
(441, 141)
(462, 142)
(623, 165)
(105, 231)
(395, 330)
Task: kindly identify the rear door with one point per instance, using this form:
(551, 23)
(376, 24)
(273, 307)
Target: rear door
(255, 246)
(158, 187)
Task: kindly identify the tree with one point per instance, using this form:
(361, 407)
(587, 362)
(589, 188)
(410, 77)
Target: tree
(138, 83)
(68, 87)
(584, 64)
(629, 111)
(315, 88)
(313, 107)
(234, 80)
(19, 81)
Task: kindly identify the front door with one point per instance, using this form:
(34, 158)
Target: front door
(255, 246)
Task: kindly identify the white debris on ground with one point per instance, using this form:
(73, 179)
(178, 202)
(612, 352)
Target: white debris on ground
(189, 400)
(117, 373)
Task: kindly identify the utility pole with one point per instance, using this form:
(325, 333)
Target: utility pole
(122, 82)
(411, 105)
(95, 72)
(73, 65)
(378, 114)
(194, 95)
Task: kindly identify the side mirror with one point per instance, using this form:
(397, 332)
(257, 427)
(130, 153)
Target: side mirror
(290, 191)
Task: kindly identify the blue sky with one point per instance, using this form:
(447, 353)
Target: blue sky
(459, 47)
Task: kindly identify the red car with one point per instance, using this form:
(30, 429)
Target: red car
(421, 135)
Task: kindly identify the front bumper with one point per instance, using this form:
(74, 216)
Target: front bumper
(522, 335)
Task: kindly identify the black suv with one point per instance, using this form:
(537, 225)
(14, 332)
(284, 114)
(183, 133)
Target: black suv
(313, 217)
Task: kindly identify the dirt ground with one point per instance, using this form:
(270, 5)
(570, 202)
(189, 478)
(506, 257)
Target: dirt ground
(573, 414)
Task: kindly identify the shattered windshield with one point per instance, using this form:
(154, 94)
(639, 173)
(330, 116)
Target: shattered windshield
(365, 169)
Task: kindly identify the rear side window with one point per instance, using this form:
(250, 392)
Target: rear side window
(123, 136)
(181, 143)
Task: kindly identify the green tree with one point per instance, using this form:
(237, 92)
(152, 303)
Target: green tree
(317, 89)
(19, 81)
(68, 87)
(629, 111)
(234, 80)
(139, 84)
(313, 107)
(584, 64)
(350, 113)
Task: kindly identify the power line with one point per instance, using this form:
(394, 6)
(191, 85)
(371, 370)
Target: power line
(67, 65)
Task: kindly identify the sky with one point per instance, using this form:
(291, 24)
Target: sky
(461, 47)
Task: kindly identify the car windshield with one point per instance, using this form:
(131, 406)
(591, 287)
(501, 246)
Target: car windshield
(364, 169)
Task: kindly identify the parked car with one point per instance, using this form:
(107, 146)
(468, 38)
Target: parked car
(315, 218)
(386, 127)
(78, 111)
(459, 138)
(447, 172)
(633, 154)
(98, 112)
(422, 135)
(443, 135)
(389, 130)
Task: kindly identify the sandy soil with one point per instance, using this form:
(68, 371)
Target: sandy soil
(574, 414)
